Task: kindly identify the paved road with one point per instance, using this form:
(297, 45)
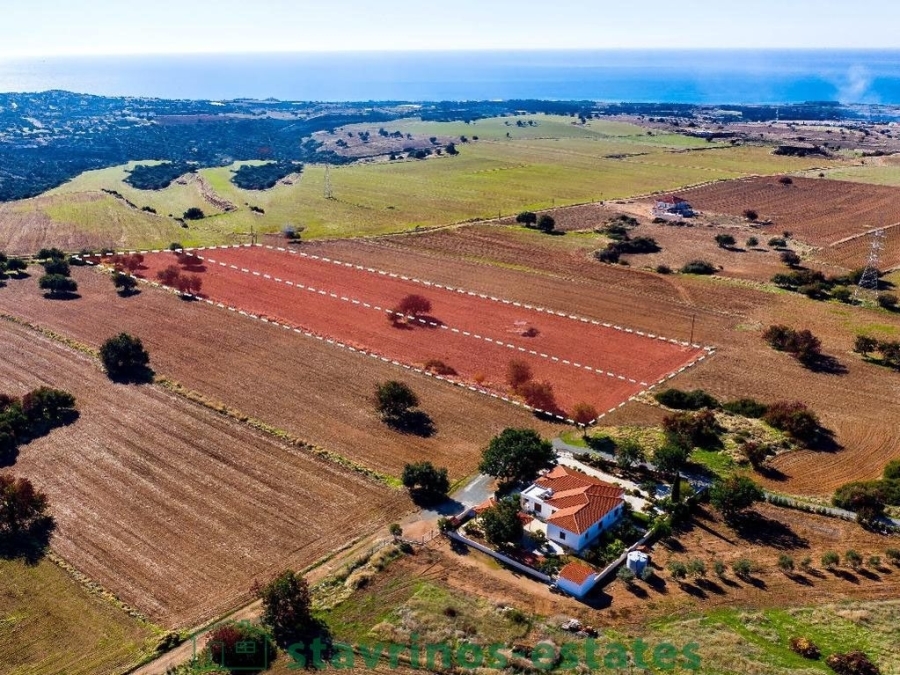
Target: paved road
(475, 492)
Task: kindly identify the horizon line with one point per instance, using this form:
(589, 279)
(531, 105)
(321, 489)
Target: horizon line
(471, 50)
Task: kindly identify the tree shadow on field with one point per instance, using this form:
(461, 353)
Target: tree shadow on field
(826, 364)
(62, 296)
(824, 441)
(29, 545)
(143, 375)
(755, 528)
(413, 422)
(772, 473)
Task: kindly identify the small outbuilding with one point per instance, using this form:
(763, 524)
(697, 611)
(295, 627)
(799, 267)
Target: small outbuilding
(576, 579)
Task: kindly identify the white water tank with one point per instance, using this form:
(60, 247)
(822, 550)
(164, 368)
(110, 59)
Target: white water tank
(637, 562)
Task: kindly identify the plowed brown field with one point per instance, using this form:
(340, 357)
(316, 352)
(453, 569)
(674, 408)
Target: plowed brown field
(859, 406)
(172, 507)
(315, 391)
(475, 334)
(819, 212)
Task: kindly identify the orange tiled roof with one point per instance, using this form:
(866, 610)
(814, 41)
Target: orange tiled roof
(581, 500)
(575, 572)
(485, 505)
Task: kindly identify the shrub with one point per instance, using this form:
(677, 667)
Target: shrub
(752, 242)
(699, 267)
(785, 563)
(786, 180)
(853, 559)
(852, 663)
(690, 430)
(830, 560)
(802, 344)
(866, 499)
(663, 269)
(608, 255)
(628, 453)
(686, 400)
(696, 568)
(892, 470)
(50, 253)
(725, 240)
(777, 242)
(794, 418)
(677, 570)
(842, 294)
(719, 568)
(893, 554)
(625, 575)
(806, 564)
(755, 453)
(742, 567)
(804, 647)
(501, 523)
(790, 258)
(125, 359)
(57, 266)
(747, 407)
(193, 213)
(438, 367)
(751, 215)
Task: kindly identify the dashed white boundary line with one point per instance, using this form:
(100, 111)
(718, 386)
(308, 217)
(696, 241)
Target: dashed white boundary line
(424, 322)
(709, 351)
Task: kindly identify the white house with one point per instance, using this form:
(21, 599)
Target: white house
(576, 507)
(576, 579)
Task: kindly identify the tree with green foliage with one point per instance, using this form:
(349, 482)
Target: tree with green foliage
(628, 453)
(125, 359)
(830, 560)
(23, 508)
(516, 455)
(125, 283)
(243, 646)
(502, 525)
(546, 223)
(57, 266)
(690, 430)
(16, 266)
(733, 495)
(626, 576)
(426, 484)
(670, 459)
(696, 568)
(394, 399)
(742, 568)
(50, 253)
(865, 344)
(57, 285)
(527, 218)
(686, 400)
(865, 498)
(193, 213)
(286, 604)
(790, 258)
(853, 559)
(699, 267)
(752, 242)
(746, 407)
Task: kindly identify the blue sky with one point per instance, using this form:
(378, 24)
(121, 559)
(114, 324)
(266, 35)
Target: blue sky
(59, 27)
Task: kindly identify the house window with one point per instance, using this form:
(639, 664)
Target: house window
(537, 508)
(562, 535)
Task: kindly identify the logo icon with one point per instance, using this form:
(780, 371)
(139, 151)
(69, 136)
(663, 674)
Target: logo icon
(235, 646)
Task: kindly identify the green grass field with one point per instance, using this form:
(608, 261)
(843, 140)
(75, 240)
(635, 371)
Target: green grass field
(51, 624)
(553, 163)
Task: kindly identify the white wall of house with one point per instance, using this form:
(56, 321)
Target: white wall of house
(578, 542)
(574, 589)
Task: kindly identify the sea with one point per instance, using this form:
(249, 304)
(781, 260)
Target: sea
(698, 77)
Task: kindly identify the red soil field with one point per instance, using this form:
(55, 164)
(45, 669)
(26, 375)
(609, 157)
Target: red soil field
(474, 335)
(820, 212)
